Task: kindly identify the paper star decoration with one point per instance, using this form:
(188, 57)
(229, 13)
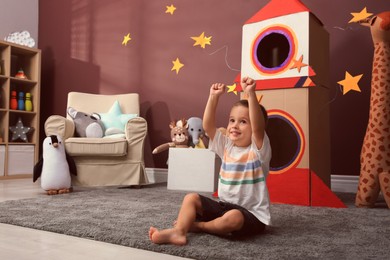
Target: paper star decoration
(232, 88)
(177, 65)
(350, 83)
(170, 9)
(360, 16)
(19, 131)
(298, 64)
(202, 40)
(126, 38)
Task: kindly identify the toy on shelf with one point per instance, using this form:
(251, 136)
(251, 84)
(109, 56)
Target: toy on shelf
(21, 101)
(55, 167)
(20, 74)
(28, 103)
(22, 38)
(19, 131)
(14, 102)
(179, 136)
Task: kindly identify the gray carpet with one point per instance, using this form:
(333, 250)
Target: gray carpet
(123, 216)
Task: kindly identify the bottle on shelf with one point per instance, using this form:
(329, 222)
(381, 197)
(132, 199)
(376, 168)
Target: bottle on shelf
(28, 103)
(14, 103)
(21, 101)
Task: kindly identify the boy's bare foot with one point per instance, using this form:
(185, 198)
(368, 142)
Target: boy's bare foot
(167, 236)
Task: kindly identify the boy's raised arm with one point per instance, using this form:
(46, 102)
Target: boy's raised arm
(216, 90)
(255, 113)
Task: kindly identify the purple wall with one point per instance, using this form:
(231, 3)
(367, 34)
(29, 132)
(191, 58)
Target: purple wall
(82, 51)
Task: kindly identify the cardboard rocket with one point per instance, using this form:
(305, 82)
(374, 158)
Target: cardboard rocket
(285, 48)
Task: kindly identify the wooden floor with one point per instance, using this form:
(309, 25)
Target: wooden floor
(24, 243)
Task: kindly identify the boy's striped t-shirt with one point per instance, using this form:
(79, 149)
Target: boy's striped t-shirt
(242, 177)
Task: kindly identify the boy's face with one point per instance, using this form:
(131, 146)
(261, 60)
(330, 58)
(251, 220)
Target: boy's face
(239, 129)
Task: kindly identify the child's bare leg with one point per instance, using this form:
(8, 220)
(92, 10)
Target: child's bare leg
(178, 234)
(229, 222)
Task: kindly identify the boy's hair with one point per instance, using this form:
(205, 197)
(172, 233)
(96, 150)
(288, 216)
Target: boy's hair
(244, 103)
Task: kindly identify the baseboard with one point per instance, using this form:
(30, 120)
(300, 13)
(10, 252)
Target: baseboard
(157, 175)
(344, 183)
(339, 183)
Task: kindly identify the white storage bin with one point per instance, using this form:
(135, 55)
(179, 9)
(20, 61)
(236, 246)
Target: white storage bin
(20, 159)
(193, 169)
(2, 159)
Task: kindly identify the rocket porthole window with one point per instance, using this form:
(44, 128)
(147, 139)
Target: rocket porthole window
(287, 141)
(273, 50)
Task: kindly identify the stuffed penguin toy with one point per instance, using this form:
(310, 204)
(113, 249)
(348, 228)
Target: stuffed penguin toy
(55, 167)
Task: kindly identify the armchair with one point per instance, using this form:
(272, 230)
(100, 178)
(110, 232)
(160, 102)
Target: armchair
(104, 161)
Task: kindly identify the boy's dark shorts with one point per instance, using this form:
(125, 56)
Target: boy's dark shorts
(213, 209)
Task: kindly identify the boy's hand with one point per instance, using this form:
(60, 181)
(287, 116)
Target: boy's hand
(248, 85)
(217, 89)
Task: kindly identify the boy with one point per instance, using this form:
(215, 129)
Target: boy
(245, 151)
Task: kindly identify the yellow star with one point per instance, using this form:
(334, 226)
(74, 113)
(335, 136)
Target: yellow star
(202, 40)
(360, 16)
(177, 65)
(350, 83)
(232, 88)
(126, 38)
(298, 64)
(170, 9)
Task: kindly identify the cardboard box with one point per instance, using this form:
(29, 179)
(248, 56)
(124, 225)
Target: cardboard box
(193, 169)
(2, 159)
(20, 159)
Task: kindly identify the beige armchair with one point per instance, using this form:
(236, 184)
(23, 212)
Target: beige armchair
(104, 161)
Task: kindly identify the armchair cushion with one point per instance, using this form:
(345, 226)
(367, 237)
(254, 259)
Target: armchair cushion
(77, 146)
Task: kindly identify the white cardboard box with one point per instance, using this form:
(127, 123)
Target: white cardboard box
(20, 159)
(193, 169)
(2, 159)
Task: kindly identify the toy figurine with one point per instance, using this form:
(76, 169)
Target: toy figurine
(14, 103)
(20, 74)
(21, 101)
(28, 103)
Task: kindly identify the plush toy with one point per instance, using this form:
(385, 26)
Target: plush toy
(197, 136)
(87, 125)
(375, 154)
(55, 167)
(179, 136)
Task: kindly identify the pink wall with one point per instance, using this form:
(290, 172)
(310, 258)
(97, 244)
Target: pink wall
(82, 51)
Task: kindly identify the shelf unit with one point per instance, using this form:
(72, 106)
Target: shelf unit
(17, 157)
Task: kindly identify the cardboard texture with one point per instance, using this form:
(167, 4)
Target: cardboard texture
(193, 169)
(278, 8)
(286, 50)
